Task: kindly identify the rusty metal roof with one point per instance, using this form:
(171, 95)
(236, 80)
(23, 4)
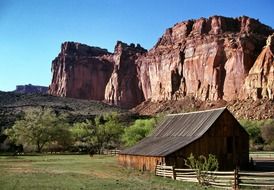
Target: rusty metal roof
(175, 132)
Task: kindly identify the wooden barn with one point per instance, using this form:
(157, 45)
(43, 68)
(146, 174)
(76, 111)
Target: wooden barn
(201, 133)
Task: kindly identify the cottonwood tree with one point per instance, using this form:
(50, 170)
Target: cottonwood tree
(95, 135)
(139, 130)
(267, 132)
(38, 128)
(108, 131)
(84, 136)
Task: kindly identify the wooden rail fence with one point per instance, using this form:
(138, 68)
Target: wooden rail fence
(261, 154)
(227, 179)
(113, 152)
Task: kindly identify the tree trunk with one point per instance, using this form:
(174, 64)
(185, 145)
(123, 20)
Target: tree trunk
(38, 147)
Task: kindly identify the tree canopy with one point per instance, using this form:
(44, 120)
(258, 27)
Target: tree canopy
(43, 129)
(102, 133)
(38, 128)
(139, 130)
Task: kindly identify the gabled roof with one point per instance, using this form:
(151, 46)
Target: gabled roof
(175, 132)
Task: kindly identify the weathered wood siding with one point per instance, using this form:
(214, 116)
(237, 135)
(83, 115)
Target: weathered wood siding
(225, 138)
(140, 162)
(216, 141)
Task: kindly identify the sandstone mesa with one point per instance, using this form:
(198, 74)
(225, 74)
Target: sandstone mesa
(218, 58)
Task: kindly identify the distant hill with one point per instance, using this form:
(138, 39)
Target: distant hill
(31, 89)
(12, 106)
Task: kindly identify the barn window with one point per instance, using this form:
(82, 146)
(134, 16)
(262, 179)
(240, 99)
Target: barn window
(229, 144)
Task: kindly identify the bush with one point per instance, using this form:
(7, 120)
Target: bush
(202, 165)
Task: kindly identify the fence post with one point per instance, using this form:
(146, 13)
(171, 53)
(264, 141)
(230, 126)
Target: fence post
(173, 173)
(156, 169)
(236, 179)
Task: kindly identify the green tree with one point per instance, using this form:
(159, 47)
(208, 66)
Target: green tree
(253, 129)
(104, 132)
(84, 136)
(39, 127)
(259, 132)
(61, 136)
(139, 130)
(108, 131)
(267, 132)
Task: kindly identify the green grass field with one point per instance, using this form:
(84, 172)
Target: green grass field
(78, 172)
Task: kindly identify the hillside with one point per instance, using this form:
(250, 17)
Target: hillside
(241, 109)
(12, 105)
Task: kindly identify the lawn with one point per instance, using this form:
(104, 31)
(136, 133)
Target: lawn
(78, 172)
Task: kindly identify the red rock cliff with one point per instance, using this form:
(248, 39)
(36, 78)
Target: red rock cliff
(204, 58)
(124, 87)
(208, 59)
(260, 80)
(81, 71)
(85, 72)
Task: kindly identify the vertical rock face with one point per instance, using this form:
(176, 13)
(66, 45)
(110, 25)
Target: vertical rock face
(208, 59)
(204, 58)
(85, 72)
(124, 88)
(81, 71)
(260, 81)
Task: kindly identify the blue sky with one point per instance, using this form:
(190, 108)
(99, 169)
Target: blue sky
(31, 31)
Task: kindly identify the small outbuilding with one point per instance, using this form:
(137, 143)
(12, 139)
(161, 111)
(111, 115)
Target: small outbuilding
(213, 131)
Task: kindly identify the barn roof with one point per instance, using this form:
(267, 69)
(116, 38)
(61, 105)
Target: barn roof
(175, 132)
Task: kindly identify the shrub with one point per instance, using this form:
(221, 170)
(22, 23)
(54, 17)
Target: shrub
(202, 165)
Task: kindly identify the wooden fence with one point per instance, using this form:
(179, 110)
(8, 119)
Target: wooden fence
(262, 155)
(256, 179)
(227, 179)
(112, 152)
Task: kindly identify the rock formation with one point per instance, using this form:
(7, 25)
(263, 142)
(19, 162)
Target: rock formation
(81, 71)
(207, 59)
(260, 80)
(124, 87)
(31, 89)
(93, 73)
